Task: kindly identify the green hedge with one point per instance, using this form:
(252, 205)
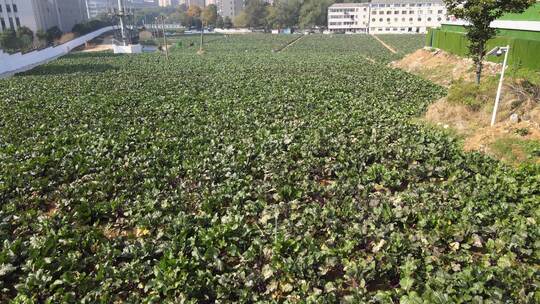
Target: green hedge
(523, 52)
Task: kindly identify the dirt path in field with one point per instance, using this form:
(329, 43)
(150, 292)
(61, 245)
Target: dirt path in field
(291, 43)
(442, 67)
(384, 44)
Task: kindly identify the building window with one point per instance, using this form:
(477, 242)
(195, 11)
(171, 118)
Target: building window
(18, 22)
(373, 20)
(410, 19)
(0, 8)
(388, 19)
(429, 19)
(396, 12)
(374, 13)
(381, 19)
(14, 8)
(404, 12)
(3, 22)
(11, 25)
(8, 8)
(439, 19)
(419, 19)
(438, 12)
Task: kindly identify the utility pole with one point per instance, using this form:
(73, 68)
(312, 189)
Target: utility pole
(201, 49)
(164, 37)
(121, 15)
(498, 51)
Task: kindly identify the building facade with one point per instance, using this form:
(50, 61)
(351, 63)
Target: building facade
(229, 8)
(386, 16)
(41, 14)
(100, 7)
(164, 3)
(199, 3)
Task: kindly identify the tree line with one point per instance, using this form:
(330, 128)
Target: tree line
(256, 14)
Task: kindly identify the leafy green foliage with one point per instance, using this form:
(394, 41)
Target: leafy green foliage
(480, 14)
(245, 176)
(404, 44)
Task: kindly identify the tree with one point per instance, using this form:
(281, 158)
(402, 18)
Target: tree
(479, 14)
(227, 22)
(194, 11)
(314, 13)
(209, 15)
(241, 20)
(25, 37)
(8, 40)
(255, 13)
(272, 17)
(288, 12)
(41, 36)
(53, 33)
(219, 22)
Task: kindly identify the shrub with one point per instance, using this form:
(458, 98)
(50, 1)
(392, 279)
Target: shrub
(472, 95)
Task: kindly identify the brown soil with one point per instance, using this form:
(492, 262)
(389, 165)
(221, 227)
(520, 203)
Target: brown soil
(97, 48)
(474, 125)
(483, 137)
(442, 67)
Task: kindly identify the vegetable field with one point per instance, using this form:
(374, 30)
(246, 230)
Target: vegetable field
(246, 176)
(404, 44)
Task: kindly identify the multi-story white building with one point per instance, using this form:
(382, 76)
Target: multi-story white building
(386, 16)
(349, 17)
(229, 8)
(41, 14)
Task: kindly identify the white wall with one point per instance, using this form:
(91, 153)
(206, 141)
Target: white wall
(400, 17)
(11, 64)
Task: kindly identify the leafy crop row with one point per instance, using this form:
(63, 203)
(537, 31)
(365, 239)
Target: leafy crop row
(238, 43)
(359, 45)
(250, 176)
(404, 44)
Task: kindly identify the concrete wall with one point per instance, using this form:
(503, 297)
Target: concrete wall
(11, 64)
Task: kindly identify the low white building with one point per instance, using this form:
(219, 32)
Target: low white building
(386, 16)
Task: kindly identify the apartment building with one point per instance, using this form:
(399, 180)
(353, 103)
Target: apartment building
(386, 16)
(199, 3)
(229, 8)
(41, 14)
(99, 7)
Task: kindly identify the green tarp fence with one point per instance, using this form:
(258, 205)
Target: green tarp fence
(523, 52)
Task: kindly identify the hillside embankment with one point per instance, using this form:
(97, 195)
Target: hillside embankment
(466, 110)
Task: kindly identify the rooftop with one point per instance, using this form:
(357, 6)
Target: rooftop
(405, 1)
(349, 4)
(385, 2)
